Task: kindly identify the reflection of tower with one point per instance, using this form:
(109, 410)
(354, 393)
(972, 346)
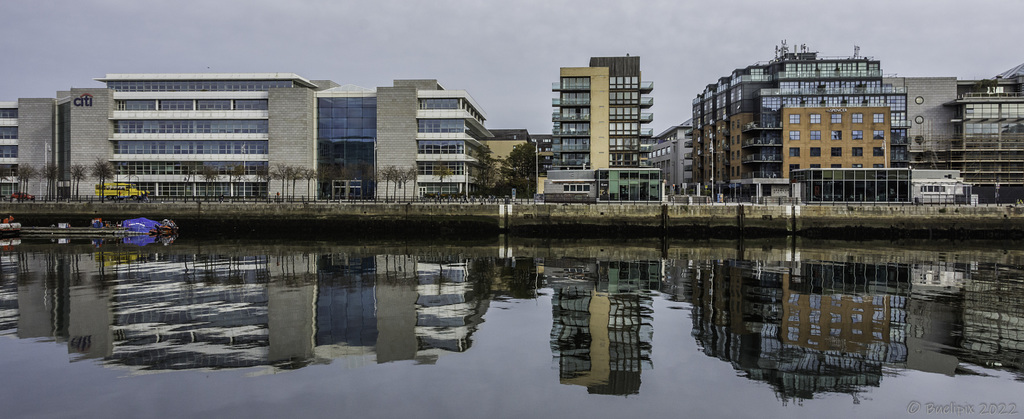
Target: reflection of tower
(446, 316)
(601, 339)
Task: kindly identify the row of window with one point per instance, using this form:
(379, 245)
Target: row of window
(838, 135)
(623, 98)
(8, 151)
(441, 147)
(575, 83)
(191, 170)
(793, 167)
(440, 103)
(1014, 128)
(428, 168)
(837, 118)
(197, 85)
(190, 105)
(838, 151)
(623, 128)
(576, 187)
(624, 113)
(624, 82)
(174, 126)
(991, 110)
(8, 133)
(190, 147)
(441, 125)
(9, 113)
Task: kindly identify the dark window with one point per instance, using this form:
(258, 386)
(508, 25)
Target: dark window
(837, 151)
(815, 151)
(878, 151)
(857, 151)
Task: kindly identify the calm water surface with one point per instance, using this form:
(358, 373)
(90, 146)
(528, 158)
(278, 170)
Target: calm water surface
(513, 328)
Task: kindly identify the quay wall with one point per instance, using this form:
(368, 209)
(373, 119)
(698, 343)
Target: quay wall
(550, 220)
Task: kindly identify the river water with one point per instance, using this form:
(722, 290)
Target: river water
(511, 328)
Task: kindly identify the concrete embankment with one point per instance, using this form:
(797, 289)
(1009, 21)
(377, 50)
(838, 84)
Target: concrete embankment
(529, 220)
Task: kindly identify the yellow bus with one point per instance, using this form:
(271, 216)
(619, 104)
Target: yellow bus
(120, 191)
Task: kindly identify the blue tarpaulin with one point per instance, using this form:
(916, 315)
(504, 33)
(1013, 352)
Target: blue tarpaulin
(140, 225)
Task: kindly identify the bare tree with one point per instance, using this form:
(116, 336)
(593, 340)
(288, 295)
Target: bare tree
(209, 174)
(263, 175)
(78, 172)
(280, 172)
(102, 169)
(308, 174)
(235, 172)
(51, 172)
(25, 175)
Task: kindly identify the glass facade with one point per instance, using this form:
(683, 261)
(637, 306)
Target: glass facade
(9, 113)
(867, 185)
(127, 168)
(629, 185)
(179, 126)
(8, 151)
(190, 147)
(346, 136)
(8, 133)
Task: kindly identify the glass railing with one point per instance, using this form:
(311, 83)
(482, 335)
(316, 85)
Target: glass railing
(754, 142)
(646, 117)
(835, 91)
(578, 117)
(558, 86)
(646, 86)
(567, 132)
(762, 158)
(646, 132)
(763, 175)
(828, 74)
(570, 102)
(647, 101)
(569, 148)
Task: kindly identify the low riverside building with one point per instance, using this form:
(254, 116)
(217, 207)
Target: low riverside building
(881, 186)
(604, 185)
(243, 134)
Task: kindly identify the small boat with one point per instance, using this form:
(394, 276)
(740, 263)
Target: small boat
(9, 227)
(151, 227)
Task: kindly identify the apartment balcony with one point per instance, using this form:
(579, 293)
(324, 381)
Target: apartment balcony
(646, 117)
(570, 133)
(843, 91)
(570, 102)
(752, 78)
(646, 86)
(646, 102)
(647, 132)
(763, 175)
(752, 126)
(762, 142)
(819, 74)
(559, 87)
(574, 148)
(900, 124)
(570, 163)
(763, 158)
(559, 117)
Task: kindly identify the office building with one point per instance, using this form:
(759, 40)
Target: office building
(797, 111)
(246, 134)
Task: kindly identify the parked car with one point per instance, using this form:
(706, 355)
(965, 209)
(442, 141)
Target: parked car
(22, 196)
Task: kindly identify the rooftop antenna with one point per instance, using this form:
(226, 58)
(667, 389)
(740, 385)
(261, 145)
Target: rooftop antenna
(785, 49)
(856, 51)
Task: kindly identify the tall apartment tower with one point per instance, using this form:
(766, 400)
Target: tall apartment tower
(597, 122)
(797, 111)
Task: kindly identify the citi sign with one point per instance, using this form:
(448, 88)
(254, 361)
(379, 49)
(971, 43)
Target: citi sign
(84, 100)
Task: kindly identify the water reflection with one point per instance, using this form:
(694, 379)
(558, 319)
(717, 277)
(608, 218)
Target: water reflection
(802, 319)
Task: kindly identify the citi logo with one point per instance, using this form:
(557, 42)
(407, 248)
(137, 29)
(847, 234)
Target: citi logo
(84, 100)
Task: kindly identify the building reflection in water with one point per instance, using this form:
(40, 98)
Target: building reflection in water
(158, 312)
(602, 332)
(811, 327)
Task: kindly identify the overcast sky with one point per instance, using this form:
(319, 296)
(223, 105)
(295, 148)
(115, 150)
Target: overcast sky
(505, 53)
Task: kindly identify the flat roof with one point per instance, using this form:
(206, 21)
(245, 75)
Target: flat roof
(206, 76)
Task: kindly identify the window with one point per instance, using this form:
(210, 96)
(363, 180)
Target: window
(857, 135)
(793, 167)
(815, 151)
(176, 105)
(794, 152)
(879, 134)
(837, 135)
(878, 166)
(857, 118)
(815, 118)
(441, 125)
(857, 166)
(878, 118)
(837, 151)
(251, 104)
(222, 104)
(8, 133)
(576, 187)
(815, 166)
(878, 151)
(836, 166)
(440, 103)
(837, 118)
(794, 119)
(9, 113)
(857, 151)
(815, 135)
(794, 135)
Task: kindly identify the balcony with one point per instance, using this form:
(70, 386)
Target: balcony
(763, 158)
(751, 126)
(572, 148)
(817, 74)
(558, 87)
(559, 117)
(646, 117)
(763, 175)
(646, 86)
(762, 142)
(570, 133)
(647, 132)
(646, 102)
(570, 102)
(570, 163)
(823, 91)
